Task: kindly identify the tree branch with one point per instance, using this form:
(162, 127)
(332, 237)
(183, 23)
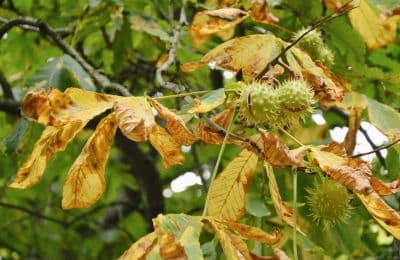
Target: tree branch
(6, 87)
(10, 106)
(377, 149)
(172, 54)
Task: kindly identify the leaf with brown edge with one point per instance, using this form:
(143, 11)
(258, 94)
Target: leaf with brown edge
(175, 125)
(57, 108)
(328, 88)
(209, 22)
(385, 189)
(227, 194)
(283, 211)
(354, 122)
(250, 54)
(354, 174)
(259, 13)
(375, 31)
(277, 154)
(85, 181)
(209, 135)
(166, 146)
(140, 248)
(52, 140)
(135, 117)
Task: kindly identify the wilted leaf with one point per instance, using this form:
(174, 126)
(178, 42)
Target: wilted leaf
(139, 23)
(206, 23)
(355, 175)
(277, 154)
(175, 125)
(85, 182)
(248, 53)
(375, 31)
(351, 136)
(135, 117)
(166, 146)
(259, 13)
(385, 189)
(208, 134)
(328, 87)
(207, 102)
(140, 248)
(57, 108)
(227, 193)
(52, 140)
(283, 211)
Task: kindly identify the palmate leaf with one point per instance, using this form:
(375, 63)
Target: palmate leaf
(228, 191)
(177, 236)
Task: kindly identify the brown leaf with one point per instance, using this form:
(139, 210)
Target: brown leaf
(135, 117)
(328, 87)
(140, 248)
(259, 13)
(248, 53)
(209, 135)
(277, 154)
(354, 121)
(57, 108)
(175, 125)
(284, 211)
(385, 189)
(170, 248)
(209, 22)
(335, 148)
(85, 182)
(227, 194)
(166, 146)
(52, 140)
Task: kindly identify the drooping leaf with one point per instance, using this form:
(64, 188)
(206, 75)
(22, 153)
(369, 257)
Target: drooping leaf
(135, 117)
(277, 154)
(52, 140)
(248, 53)
(209, 22)
(384, 189)
(85, 182)
(11, 143)
(283, 211)
(206, 102)
(384, 117)
(227, 193)
(353, 125)
(140, 248)
(175, 125)
(140, 23)
(166, 146)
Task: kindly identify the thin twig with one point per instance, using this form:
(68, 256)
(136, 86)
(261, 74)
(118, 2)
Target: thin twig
(373, 145)
(324, 20)
(10, 106)
(172, 54)
(377, 149)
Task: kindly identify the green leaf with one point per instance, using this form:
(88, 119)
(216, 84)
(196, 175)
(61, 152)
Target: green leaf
(384, 117)
(11, 143)
(256, 207)
(62, 73)
(207, 102)
(139, 23)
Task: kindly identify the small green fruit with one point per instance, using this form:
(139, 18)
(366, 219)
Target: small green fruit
(329, 203)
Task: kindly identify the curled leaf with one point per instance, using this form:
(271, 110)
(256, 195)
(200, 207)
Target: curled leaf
(228, 191)
(166, 146)
(52, 140)
(135, 117)
(259, 13)
(85, 182)
(175, 125)
(385, 189)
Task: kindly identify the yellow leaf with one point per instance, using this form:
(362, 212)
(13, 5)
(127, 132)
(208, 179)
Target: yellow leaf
(52, 140)
(356, 176)
(166, 146)
(375, 31)
(206, 23)
(259, 13)
(277, 154)
(354, 121)
(175, 125)
(135, 117)
(85, 182)
(208, 102)
(57, 108)
(228, 191)
(140, 248)
(248, 53)
(284, 212)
